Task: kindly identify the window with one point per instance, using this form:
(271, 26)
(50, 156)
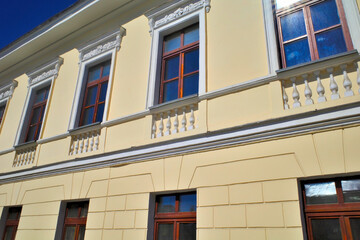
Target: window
(37, 114)
(180, 64)
(332, 208)
(95, 94)
(175, 217)
(75, 220)
(311, 29)
(12, 222)
(2, 111)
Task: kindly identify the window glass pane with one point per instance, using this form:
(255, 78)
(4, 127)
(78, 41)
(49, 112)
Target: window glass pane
(103, 90)
(84, 209)
(187, 231)
(285, 3)
(324, 14)
(320, 193)
(2, 110)
(172, 42)
(165, 231)
(328, 229)
(91, 96)
(35, 115)
(94, 73)
(41, 94)
(70, 233)
(88, 116)
(355, 228)
(166, 204)
(191, 85)
(170, 91)
(8, 233)
(191, 62)
(293, 25)
(191, 35)
(172, 68)
(351, 190)
(73, 210)
(100, 113)
(297, 52)
(330, 42)
(187, 203)
(14, 213)
(31, 133)
(106, 70)
(81, 233)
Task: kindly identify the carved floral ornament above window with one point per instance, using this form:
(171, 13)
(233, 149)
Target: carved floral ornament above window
(47, 71)
(7, 90)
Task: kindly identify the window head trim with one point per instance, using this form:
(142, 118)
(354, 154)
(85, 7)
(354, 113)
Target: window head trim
(6, 92)
(167, 19)
(95, 52)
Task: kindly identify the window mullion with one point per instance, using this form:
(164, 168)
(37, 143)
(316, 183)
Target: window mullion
(181, 73)
(310, 32)
(96, 102)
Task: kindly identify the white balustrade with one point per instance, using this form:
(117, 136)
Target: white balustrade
(325, 81)
(85, 142)
(169, 122)
(24, 156)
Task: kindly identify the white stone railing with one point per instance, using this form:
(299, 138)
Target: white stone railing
(321, 85)
(175, 118)
(85, 140)
(25, 155)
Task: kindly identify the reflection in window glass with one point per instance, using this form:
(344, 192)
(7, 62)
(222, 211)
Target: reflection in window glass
(351, 190)
(166, 204)
(297, 52)
(330, 42)
(187, 203)
(326, 229)
(355, 228)
(293, 25)
(320, 193)
(285, 3)
(165, 231)
(187, 231)
(324, 14)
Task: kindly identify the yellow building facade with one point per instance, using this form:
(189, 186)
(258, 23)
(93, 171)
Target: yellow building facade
(251, 139)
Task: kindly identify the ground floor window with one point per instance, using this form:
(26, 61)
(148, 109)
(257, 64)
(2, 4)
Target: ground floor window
(332, 208)
(175, 217)
(12, 222)
(75, 220)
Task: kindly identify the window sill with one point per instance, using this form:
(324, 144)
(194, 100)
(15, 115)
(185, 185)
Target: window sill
(177, 103)
(85, 129)
(320, 64)
(25, 145)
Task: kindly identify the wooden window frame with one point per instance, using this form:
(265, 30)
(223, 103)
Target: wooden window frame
(181, 53)
(310, 33)
(340, 210)
(174, 217)
(42, 106)
(12, 222)
(89, 85)
(77, 221)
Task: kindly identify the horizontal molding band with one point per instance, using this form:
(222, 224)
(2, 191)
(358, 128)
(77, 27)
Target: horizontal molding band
(262, 131)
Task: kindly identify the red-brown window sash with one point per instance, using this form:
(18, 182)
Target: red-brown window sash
(12, 222)
(310, 33)
(75, 221)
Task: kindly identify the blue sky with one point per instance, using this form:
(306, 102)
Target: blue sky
(17, 17)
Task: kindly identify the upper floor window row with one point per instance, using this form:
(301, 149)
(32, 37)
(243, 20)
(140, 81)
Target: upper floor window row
(311, 29)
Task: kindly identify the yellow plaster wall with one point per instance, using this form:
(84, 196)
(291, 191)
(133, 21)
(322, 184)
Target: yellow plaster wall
(236, 42)
(60, 103)
(131, 70)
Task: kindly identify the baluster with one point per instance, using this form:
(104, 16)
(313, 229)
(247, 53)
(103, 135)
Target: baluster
(86, 142)
(76, 144)
(192, 118)
(29, 157)
(26, 159)
(176, 122)
(22, 158)
(81, 143)
(183, 120)
(333, 85)
(92, 141)
(72, 146)
(153, 134)
(168, 124)
(161, 126)
(295, 94)
(347, 83)
(307, 91)
(320, 88)
(285, 96)
(33, 155)
(97, 139)
(357, 75)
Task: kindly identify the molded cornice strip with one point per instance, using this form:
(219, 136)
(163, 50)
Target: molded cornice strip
(46, 71)
(7, 90)
(314, 121)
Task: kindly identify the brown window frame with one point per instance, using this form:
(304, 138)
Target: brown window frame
(42, 106)
(310, 33)
(340, 210)
(181, 52)
(89, 85)
(77, 221)
(12, 222)
(173, 217)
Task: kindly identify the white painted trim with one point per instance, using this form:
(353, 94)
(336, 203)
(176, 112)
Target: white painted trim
(7, 90)
(271, 37)
(175, 23)
(7, 151)
(257, 132)
(53, 138)
(125, 118)
(97, 51)
(351, 10)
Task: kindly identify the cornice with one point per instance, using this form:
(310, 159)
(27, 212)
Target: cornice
(46, 71)
(315, 121)
(7, 90)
